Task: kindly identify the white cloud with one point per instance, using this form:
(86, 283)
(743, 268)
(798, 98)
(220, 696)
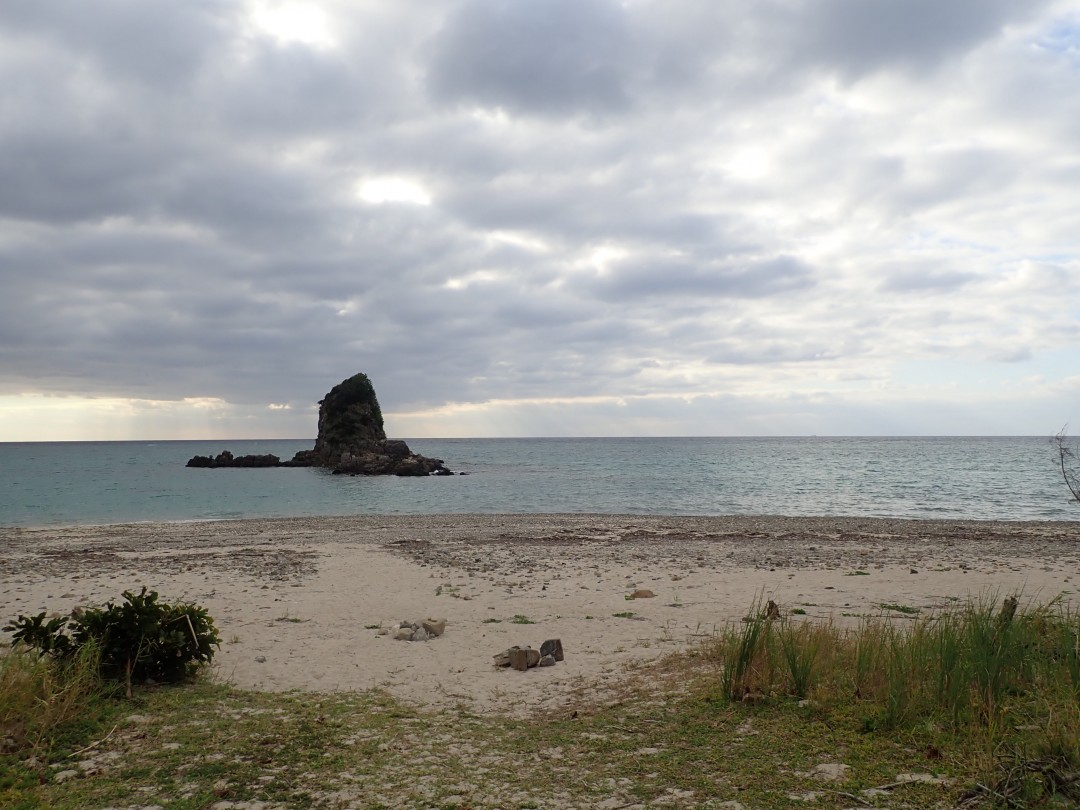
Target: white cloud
(393, 190)
(288, 22)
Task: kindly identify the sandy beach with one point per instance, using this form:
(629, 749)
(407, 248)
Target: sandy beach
(300, 602)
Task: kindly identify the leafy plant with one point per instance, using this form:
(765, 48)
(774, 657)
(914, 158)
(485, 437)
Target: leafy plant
(47, 637)
(138, 640)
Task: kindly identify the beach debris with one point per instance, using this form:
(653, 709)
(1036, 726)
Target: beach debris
(772, 610)
(1008, 611)
(523, 658)
(408, 630)
(641, 593)
(552, 647)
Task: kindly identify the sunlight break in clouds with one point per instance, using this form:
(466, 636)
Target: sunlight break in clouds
(287, 22)
(392, 190)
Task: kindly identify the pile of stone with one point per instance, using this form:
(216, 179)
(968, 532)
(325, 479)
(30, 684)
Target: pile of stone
(523, 658)
(415, 631)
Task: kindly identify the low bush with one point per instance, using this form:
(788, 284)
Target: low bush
(141, 639)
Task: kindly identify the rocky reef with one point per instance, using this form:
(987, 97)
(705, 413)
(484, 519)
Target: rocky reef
(351, 440)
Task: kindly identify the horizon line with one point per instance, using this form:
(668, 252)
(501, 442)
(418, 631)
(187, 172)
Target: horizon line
(561, 438)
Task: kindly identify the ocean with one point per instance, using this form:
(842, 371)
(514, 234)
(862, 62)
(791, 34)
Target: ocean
(997, 478)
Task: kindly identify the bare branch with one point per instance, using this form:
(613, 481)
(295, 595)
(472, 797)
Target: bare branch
(1067, 459)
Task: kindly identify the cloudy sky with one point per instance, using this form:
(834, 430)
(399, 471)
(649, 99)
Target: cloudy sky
(540, 217)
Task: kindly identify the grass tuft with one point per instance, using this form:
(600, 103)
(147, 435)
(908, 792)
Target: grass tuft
(42, 698)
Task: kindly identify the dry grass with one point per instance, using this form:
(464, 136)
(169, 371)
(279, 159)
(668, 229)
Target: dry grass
(41, 698)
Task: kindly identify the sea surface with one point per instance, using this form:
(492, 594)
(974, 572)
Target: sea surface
(999, 478)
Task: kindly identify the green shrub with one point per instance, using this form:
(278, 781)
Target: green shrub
(138, 640)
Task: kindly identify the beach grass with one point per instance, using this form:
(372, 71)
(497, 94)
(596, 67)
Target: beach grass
(964, 706)
(43, 702)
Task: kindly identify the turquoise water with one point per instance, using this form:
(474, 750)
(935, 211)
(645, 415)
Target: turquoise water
(71, 483)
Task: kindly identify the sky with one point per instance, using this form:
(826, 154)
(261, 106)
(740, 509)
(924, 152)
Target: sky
(540, 217)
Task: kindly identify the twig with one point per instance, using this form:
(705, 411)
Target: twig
(847, 795)
(93, 744)
(892, 785)
(191, 627)
(1009, 801)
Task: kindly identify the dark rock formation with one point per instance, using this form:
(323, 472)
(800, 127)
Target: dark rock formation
(226, 459)
(351, 440)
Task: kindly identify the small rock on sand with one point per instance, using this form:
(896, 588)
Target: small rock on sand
(434, 627)
(552, 647)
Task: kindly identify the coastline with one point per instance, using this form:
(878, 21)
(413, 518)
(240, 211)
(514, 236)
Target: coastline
(297, 600)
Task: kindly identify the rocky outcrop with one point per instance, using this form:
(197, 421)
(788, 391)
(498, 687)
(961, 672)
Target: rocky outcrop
(351, 440)
(226, 459)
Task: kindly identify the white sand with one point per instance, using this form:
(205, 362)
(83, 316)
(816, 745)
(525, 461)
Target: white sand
(292, 597)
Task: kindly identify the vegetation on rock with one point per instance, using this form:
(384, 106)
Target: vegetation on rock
(350, 419)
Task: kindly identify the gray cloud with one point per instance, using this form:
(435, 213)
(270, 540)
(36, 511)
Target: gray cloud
(152, 42)
(548, 57)
(626, 199)
(862, 36)
(643, 278)
(920, 279)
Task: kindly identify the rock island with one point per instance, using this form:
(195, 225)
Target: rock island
(351, 440)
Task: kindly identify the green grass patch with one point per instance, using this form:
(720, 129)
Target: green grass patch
(520, 619)
(983, 704)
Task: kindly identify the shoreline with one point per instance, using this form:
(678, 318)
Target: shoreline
(298, 601)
